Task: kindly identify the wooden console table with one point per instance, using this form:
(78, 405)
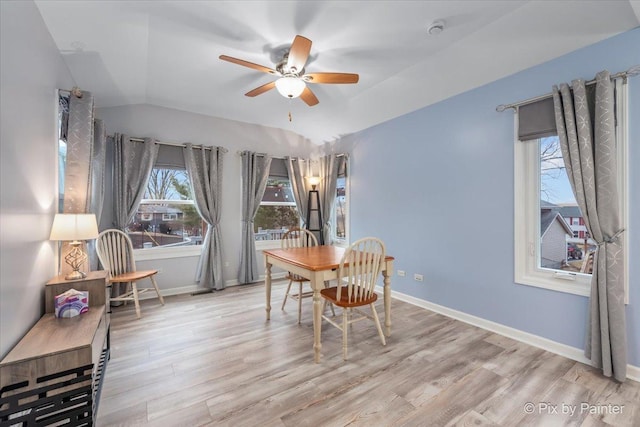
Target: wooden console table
(54, 374)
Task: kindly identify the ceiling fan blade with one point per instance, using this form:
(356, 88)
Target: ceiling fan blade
(299, 53)
(261, 89)
(331, 78)
(248, 64)
(308, 97)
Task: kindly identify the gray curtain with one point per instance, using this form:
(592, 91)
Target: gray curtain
(255, 172)
(77, 170)
(133, 162)
(297, 169)
(586, 127)
(204, 167)
(329, 167)
(97, 184)
(79, 153)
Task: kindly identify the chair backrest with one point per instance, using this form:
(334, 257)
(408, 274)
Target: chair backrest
(115, 252)
(298, 238)
(360, 268)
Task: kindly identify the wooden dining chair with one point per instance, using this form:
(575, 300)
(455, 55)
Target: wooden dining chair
(297, 238)
(115, 253)
(359, 270)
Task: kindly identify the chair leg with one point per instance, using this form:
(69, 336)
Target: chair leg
(377, 321)
(134, 288)
(286, 294)
(155, 285)
(345, 322)
(324, 307)
(300, 303)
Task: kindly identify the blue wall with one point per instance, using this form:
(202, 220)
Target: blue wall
(437, 186)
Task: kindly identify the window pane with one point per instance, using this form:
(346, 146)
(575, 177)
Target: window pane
(277, 212)
(564, 242)
(161, 222)
(341, 209)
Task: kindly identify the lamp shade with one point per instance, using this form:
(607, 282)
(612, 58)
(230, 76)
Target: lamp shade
(313, 180)
(290, 87)
(74, 227)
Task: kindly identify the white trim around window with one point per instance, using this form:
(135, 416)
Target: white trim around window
(527, 203)
(527, 228)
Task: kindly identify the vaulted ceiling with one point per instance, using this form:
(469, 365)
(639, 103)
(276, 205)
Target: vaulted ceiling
(166, 53)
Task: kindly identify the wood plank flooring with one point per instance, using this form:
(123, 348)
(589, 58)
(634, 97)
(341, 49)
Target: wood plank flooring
(213, 360)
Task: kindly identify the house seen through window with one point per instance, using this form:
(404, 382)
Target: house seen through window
(564, 242)
(167, 216)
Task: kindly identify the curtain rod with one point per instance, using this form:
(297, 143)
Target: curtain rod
(281, 158)
(633, 71)
(179, 144)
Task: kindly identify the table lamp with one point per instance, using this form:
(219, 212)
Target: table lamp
(74, 228)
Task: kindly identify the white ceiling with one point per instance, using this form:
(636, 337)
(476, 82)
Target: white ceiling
(165, 53)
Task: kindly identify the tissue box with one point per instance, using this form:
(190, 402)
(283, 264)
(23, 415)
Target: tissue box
(71, 303)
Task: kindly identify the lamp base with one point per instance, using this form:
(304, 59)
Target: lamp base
(75, 275)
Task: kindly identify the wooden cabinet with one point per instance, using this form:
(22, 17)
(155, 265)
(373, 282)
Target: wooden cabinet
(95, 283)
(54, 374)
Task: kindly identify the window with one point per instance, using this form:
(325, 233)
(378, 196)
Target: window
(341, 212)
(167, 216)
(277, 212)
(552, 247)
(63, 113)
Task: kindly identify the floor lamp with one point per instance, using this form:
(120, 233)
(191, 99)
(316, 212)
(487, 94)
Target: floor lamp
(313, 206)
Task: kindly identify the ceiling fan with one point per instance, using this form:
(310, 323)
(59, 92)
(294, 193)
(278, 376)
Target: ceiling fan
(293, 78)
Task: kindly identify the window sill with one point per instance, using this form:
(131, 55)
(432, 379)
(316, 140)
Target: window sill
(166, 253)
(580, 286)
(262, 245)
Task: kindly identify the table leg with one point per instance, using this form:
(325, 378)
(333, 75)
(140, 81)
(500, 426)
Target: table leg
(267, 282)
(387, 301)
(316, 284)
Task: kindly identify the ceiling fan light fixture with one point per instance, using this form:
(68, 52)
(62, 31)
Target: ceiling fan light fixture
(290, 87)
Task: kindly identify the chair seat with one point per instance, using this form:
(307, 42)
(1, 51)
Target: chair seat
(133, 276)
(296, 278)
(331, 294)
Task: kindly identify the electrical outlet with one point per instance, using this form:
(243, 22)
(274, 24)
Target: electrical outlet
(418, 277)
(401, 273)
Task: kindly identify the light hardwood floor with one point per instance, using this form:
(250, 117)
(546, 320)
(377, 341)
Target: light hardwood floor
(213, 360)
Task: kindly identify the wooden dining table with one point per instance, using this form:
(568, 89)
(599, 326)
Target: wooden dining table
(319, 264)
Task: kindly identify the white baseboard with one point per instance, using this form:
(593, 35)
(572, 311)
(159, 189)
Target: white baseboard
(573, 353)
(188, 289)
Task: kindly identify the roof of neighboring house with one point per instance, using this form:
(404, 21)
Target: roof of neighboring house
(570, 211)
(547, 205)
(547, 217)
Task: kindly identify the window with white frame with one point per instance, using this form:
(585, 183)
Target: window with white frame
(167, 216)
(549, 253)
(340, 212)
(277, 212)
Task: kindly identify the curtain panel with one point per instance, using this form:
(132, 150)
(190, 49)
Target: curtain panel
(81, 168)
(329, 166)
(133, 162)
(585, 122)
(255, 173)
(204, 167)
(298, 169)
